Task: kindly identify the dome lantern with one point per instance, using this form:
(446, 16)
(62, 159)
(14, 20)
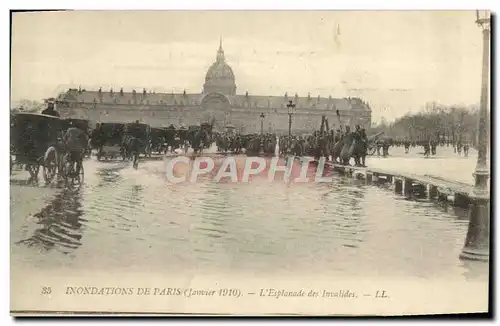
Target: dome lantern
(220, 53)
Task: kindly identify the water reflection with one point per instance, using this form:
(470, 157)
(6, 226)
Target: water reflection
(109, 176)
(60, 224)
(135, 197)
(350, 223)
(345, 227)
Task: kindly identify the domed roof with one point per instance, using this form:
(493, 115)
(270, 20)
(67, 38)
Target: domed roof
(219, 71)
(220, 76)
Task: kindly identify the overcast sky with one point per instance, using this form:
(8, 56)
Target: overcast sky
(397, 61)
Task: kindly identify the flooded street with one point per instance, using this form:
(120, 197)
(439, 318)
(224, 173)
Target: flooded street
(126, 219)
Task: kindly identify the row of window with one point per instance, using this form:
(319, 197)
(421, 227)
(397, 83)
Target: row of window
(281, 110)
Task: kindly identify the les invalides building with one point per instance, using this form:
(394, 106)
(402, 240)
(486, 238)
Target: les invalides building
(219, 102)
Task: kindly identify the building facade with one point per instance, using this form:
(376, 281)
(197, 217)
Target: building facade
(218, 103)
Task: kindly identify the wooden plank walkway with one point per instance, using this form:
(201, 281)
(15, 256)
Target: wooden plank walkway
(413, 185)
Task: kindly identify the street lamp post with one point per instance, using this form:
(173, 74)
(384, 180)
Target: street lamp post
(290, 107)
(477, 242)
(262, 117)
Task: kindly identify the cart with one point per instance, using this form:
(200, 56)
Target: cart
(35, 141)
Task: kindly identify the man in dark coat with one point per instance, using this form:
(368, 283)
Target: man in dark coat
(50, 110)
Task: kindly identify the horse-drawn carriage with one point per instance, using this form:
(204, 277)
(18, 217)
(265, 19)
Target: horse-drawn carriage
(200, 136)
(140, 131)
(175, 137)
(158, 139)
(36, 141)
(377, 141)
(107, 138)
(372, 143)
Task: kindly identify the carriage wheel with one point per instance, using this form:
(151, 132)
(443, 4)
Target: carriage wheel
(50, 164)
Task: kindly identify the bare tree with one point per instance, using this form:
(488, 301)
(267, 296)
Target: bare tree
(28, 106)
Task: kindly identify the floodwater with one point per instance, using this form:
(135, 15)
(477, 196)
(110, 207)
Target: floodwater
(127, 219)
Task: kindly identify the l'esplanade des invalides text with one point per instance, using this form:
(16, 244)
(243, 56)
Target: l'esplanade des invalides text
(217, 102)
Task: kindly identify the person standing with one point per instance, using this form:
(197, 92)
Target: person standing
(407, 146)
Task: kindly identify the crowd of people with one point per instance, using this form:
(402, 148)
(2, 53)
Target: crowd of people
(430, 146)
(317, 144)
(340, 145)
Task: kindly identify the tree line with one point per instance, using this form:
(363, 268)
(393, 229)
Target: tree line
(27, 106)
(446, 124)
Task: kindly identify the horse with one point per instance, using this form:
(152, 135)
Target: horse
(200, 139)
(337, 149)
(352, 148)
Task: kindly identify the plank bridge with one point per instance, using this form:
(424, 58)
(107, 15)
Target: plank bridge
(412, 185)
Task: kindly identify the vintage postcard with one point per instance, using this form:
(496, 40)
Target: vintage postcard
(250, 162)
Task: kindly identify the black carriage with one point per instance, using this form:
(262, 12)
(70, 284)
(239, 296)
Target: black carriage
(184, 133)
(373, 143)
(35, 141)
(142, 132)
(107, 138)
(173, 138)
(158, 138)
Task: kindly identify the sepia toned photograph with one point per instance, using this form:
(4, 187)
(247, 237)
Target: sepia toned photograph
(243, 163)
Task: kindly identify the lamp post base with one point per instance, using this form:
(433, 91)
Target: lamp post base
(478, 255)
(477, 242)
(481, 176)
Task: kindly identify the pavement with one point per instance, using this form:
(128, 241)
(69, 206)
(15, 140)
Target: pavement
(446, 164)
